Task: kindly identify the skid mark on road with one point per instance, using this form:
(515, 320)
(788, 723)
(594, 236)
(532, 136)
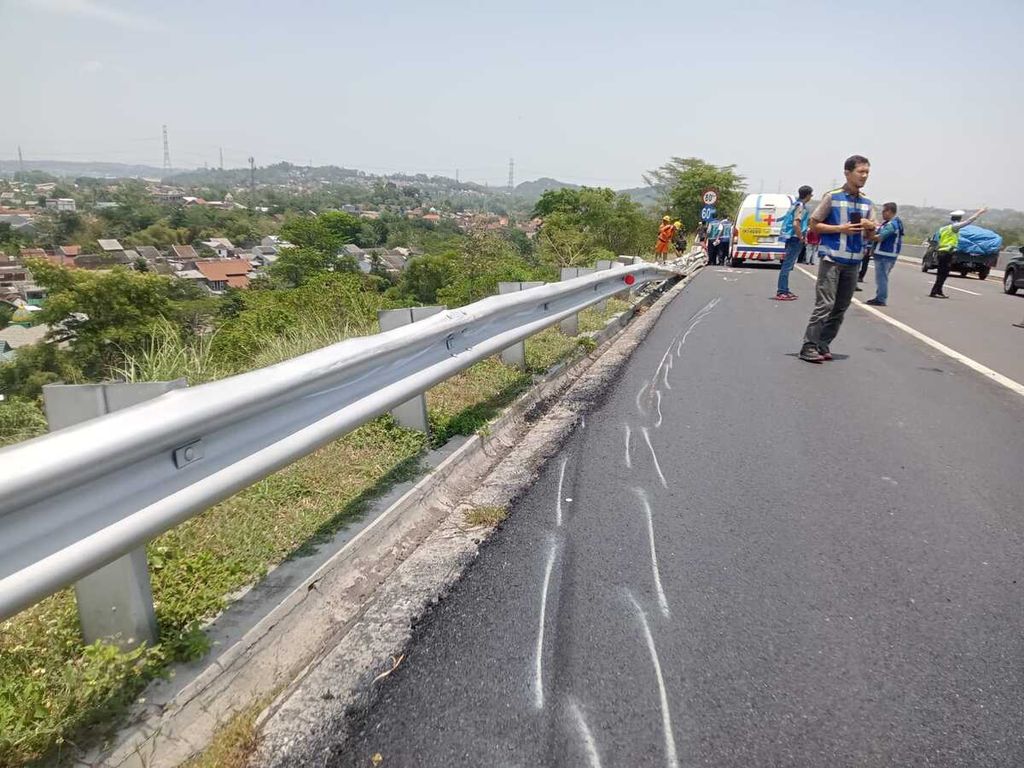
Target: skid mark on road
(538, 671)
(657, 466)
(558, 501)
(671, 759)
(662, 600)
(588, 738)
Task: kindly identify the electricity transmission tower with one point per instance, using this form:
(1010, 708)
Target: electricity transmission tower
(167, 152)
(252, 181)
(222, 158)
(21, 160)
(511, 174)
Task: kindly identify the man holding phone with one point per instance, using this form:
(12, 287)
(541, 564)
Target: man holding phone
(843, 219)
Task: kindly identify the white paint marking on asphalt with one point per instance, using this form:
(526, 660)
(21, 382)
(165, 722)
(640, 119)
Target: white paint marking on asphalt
(657, 395)
(538, 679)
(667, 369)
(588, 737)
(561, 479)
(671, 760)
(662, 600)
(583, 421)
(639, 397)
(657, 466)
(629, 459)
(984, 370)
(953, 288)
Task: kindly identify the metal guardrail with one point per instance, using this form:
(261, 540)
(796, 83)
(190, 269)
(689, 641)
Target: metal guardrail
(79, 498)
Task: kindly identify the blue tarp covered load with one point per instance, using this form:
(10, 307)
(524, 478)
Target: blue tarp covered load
(978, 241)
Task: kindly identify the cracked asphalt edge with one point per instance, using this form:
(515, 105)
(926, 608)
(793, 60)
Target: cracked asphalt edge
(308, 722)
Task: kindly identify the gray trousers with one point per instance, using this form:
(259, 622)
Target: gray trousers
(832, 296)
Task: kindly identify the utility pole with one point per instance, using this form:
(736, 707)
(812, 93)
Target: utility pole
(167, 152)
(511, 174)
(252, 182)
(222, 158)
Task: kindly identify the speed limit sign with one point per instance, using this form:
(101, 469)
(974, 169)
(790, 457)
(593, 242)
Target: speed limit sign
(710, 197)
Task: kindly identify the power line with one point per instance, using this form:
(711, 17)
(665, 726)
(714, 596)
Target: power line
(167, 152)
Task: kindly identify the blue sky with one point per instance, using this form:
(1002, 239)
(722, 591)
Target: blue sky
(592, 92)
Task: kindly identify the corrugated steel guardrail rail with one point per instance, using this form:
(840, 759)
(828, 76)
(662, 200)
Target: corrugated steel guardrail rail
(79, 498)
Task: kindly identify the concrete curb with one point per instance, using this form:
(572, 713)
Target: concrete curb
(307, 723)
(326, 605)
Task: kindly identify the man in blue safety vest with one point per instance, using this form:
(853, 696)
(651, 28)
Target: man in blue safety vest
(792, 232)
(888, 244)
(843, 218)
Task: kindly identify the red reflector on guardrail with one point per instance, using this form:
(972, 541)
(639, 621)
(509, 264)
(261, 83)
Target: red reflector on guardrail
(629, 279)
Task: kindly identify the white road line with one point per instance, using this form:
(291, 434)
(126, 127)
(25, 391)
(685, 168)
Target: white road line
(583, 421)
(984, 370)
(667, 369)
(671, 759)
(538, 678)
(588, 737)
(629, 459)
(657, 466)
(954, 288)
(662, 600)
(657, 395)
(561, 479)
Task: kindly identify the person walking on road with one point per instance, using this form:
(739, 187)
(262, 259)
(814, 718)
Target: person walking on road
(709, 239)
(723, 236)
(949, 239)
(843, 219)
(665, 233)
(793, 231)
(888, 244)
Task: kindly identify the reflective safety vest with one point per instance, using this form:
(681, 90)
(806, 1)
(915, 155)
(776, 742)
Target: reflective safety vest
(949, 238)
(891, 244)
(840, 248)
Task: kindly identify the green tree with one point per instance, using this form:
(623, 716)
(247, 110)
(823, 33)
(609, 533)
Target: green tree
(20, 420)
(607, 220)
(101, 315)
(484, 260)
(6, 312)
(296, 266)
(425, 275)
(33, 366)
(682, 180)
(326, 233)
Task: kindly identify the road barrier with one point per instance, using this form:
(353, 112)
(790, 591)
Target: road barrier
(77, 499)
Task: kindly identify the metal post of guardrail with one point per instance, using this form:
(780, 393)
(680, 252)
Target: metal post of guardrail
(516, 354)
(115, 603)
(571, 325)
(412, 413)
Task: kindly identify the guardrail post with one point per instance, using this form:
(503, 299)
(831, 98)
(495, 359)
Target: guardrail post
(516, 354)
(571, 325)
(601, 264)
(412, 413)
(115, 603)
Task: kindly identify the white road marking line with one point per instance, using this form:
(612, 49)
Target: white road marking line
(657, 466)
(629, 459)
(954, 288)
(662, 600)
(667, 369)
(657, 395)
(583, 421)
(561, 479)
(588, 737)
(671, 759)
(538, 679)
(984, 370)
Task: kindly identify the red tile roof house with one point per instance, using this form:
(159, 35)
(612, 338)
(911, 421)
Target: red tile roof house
(223, 274)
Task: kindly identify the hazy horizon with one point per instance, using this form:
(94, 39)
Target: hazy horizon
(584, 93)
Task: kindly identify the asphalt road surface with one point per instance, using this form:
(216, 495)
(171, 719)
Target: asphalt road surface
(741, 559)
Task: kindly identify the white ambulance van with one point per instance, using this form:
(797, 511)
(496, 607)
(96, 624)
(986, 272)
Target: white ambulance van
(756, 232)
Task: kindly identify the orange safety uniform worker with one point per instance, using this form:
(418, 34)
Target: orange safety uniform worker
(665, 234)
